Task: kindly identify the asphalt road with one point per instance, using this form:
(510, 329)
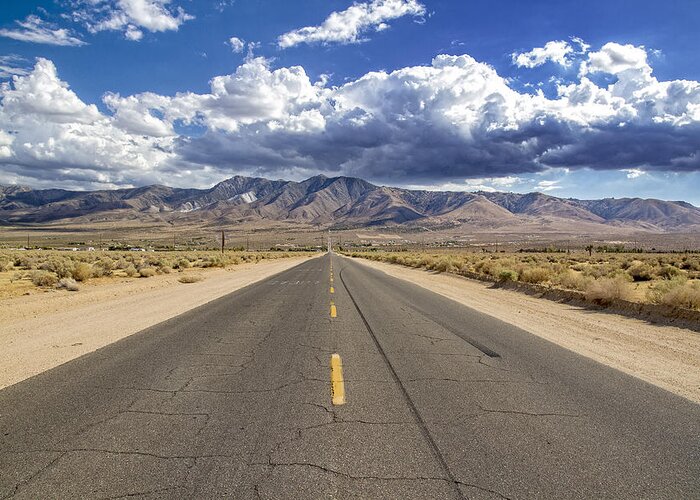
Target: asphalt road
(233, 399)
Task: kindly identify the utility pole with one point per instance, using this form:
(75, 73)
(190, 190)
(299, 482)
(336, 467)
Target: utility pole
(223, 241)
(247, 243)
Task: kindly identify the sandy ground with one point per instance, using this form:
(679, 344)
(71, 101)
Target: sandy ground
(666, 356)
(44, 330)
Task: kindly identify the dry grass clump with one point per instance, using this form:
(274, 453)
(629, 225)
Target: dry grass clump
(68, 284)
(5, 265)
(190, 278)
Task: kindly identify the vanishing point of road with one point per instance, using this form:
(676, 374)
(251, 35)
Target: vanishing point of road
(333, 380)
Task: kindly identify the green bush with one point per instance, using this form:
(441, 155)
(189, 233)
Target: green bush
(507, 275)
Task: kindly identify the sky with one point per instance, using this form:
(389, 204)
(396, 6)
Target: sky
(575, 99)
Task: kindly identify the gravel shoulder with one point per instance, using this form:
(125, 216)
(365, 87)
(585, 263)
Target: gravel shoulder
(41, 331)
(666, 356)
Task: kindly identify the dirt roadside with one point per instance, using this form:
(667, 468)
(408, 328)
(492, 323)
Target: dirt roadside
(41, 331)
(666, 356)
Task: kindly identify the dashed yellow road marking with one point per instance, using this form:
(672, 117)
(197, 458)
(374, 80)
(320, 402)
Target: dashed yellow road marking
(334, 311)
(337, 382)
(332, 290)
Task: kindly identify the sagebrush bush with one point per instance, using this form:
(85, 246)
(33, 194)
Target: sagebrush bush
(606, 290)
(147, 272)
(668, 272)
(572, 280)
(43, 278)
(82, 271)
(507, 275)
(676, 292)
(535, 275)
(131, 271)
(183, 264)
(641, 271)
(5, 265)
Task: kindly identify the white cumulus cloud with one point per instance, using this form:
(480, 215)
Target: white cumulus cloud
(237, 44)
(350, 25)
(130, 16)
(557, 51)
(615, 58)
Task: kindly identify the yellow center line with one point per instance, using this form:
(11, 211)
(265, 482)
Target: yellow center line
(332, 290)
(334, 311)
(337, 382)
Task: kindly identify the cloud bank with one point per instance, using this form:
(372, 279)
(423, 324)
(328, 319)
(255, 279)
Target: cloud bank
(453, 119)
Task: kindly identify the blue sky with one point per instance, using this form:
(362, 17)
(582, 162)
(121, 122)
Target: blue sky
(422, 93)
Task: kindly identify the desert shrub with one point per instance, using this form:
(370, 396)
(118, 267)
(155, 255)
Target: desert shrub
(443, 265)
(62, 267)
(5, 265)
(82, 271)
(606, 290)
(216, 261)
(147, 272)
(26, 262)
(668, 272)
(572, 280)
(131, 271)
(535, 275)
(190, 278)
(641, 271)
(102, 267)
(677, 292)
(183, 264)
(690, 263)
(507, 275)
(122, 264)
(165, 269)
(68, 284)
(43, 278)
(686, 296)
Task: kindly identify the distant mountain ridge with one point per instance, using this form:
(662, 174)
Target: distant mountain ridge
(337, 201)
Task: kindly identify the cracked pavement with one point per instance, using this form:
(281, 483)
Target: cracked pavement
(232, 399)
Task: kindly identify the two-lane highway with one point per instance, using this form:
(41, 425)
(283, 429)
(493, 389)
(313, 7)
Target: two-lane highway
(333, 380)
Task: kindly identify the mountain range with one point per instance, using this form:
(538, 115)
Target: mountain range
(338, 202)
